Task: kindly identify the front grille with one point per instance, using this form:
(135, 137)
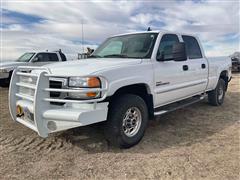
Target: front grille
(55, 85)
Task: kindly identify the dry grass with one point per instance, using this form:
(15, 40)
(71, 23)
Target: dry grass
(198, 142)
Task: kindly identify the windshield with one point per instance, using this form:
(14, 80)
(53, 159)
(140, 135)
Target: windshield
(25, 57)
(127, 46)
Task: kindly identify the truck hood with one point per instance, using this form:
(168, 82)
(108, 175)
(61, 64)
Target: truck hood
(89, 66)
(10, 64)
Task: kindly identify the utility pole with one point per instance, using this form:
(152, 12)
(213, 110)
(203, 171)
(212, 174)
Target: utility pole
(82, 38)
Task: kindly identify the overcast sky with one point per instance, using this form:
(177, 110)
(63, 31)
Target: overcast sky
(39, 25)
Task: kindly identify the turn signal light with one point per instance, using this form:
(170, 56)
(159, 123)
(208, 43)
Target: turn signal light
(93, 82)
(91, 94)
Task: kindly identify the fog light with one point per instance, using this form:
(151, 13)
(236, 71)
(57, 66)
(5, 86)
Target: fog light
(51, 125)
(19, 111)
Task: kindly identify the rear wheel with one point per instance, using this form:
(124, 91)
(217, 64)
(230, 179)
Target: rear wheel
(216, 96)
(127, 121)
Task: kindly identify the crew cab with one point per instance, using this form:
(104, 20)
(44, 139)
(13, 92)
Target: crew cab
(129, 79)
(28, 59)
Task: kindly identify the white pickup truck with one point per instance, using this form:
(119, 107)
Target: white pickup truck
(28, 59)
(128, 80)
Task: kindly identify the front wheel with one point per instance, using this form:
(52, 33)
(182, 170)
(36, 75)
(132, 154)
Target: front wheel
(127, 121)
(5, 82)
(216, 96)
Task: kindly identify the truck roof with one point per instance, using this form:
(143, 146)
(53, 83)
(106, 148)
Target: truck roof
(43, 52)
(155, 31)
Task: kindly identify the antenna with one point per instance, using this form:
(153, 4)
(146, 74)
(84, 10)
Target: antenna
(82, 38)
(149, 29)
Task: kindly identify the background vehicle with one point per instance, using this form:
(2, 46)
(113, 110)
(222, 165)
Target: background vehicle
(128, 80)
(236, 61)
(28, 59)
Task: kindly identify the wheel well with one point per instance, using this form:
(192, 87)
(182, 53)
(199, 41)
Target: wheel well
(224, 76)
(10, 74)
(137, 89)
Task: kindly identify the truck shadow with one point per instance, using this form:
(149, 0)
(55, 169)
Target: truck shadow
(183, 127)
(195, 124)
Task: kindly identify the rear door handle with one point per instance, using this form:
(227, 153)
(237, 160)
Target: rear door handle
(185, 67)
(203, 66)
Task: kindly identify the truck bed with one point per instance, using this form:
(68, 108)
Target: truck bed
(216, 66)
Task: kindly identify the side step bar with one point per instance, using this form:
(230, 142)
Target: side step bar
(178, 105)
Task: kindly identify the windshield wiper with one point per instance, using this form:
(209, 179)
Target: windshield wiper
(116, 55)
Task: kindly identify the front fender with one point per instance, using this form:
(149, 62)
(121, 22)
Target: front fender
(115, 85)
(119, 77)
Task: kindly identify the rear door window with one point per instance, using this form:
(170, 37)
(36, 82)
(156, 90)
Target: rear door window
(42, 57)
(53, 57)
(192, 47)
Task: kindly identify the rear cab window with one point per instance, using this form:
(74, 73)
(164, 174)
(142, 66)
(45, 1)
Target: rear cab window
(45, 57)
(192, 47)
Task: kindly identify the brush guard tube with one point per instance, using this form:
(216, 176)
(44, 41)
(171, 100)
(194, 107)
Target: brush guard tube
(48, 118)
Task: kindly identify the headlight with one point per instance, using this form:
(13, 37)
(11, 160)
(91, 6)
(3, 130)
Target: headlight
(89, 82)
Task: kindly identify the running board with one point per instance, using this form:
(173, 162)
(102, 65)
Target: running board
(178, 105)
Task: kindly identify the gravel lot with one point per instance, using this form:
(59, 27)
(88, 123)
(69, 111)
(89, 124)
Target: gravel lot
(198, 142)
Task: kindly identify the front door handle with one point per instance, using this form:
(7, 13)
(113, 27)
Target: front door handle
(203, 66)
(185, 67)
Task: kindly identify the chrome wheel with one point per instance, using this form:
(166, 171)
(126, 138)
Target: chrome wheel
(132, 121)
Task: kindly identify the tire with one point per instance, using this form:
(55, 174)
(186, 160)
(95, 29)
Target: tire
(6, 82)
(216, 96)
(127, 121)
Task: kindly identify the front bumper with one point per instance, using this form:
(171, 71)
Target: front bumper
(4, 75)
(39, 111)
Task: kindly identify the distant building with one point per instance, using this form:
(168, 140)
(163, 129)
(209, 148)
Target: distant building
(82, 56)
(85, 55)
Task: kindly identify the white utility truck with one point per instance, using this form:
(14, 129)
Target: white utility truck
(128, 80)
(28, 59)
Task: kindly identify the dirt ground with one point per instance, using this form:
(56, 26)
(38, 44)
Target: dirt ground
(198, 142)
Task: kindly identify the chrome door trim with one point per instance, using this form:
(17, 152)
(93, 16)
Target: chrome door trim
(182, 87)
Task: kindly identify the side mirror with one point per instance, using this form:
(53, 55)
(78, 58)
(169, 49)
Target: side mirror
(160, 56)
(35, 59)
(179, 52)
